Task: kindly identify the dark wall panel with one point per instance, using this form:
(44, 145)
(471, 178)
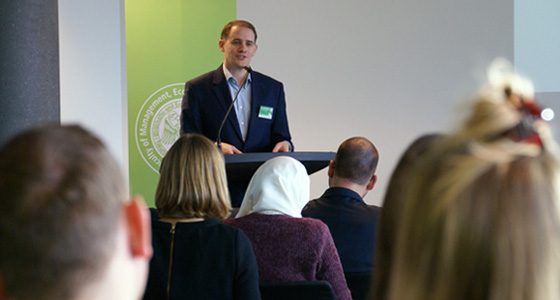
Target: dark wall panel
(29, 65)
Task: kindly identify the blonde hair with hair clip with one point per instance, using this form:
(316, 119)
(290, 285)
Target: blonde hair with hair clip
(483, 222)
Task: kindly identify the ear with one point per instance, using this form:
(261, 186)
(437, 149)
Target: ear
(331, 169)
(371, 183)
(138, 228)
(221, 43)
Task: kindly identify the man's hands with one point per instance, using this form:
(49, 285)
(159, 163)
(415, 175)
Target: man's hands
(229, 149)
(283, 146)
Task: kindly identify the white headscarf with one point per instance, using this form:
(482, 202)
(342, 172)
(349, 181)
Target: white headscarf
(279, 186)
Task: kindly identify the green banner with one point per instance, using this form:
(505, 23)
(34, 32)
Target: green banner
(167, 43)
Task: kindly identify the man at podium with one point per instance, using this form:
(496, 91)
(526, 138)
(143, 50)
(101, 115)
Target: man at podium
(242, 110)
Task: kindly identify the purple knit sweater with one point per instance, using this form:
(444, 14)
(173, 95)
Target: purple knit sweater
(293, 249)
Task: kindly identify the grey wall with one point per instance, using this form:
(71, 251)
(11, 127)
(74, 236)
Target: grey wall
(537, 42)
(29, 87)
(536, 49)
(387, 70)
(92, 70)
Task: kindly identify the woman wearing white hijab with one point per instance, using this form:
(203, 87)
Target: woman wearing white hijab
(288, 247)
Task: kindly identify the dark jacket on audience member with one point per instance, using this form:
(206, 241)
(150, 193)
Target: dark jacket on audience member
(352, 224)
(210, 260)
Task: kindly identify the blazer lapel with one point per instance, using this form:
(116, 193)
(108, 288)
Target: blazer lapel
(221, 91)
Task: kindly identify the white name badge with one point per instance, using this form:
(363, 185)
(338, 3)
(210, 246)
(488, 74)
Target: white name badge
(265, 112)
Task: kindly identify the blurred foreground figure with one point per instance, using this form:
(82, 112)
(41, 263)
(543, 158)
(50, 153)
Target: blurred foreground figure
(482, 222)
(393, 203)
(67, 228)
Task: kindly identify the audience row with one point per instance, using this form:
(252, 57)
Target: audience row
(469, 214)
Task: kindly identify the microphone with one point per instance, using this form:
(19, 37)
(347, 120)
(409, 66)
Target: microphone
(219, 138)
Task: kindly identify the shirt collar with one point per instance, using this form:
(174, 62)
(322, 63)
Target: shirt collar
(336, 192)
(228, 75)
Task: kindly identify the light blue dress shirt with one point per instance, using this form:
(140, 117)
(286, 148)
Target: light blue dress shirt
(243, 104)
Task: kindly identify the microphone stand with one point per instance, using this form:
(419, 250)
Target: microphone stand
(219, 139)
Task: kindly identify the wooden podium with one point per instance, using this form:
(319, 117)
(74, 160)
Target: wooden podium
(241, 167)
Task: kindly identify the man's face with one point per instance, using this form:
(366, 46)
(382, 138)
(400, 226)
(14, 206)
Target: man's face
(238, 48)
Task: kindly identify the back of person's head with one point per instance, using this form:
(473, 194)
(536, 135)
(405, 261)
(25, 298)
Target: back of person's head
(279, 186)
(406, 167)
(482, 221)
(484, 226)
(62, 196)
(356, 160)
(391, 214)
(193, 181)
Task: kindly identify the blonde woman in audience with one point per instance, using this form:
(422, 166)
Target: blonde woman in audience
(288, 247)
(393, 203)
(483, 220)
(196, 256)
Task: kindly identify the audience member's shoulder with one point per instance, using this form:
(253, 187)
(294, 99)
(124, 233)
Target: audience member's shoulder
(155, 222)
(236, 234)
(217, 228)
(309, 207)
(154, 214)
(374, 209)
(312, 224)
(228, 228)
(231, 221)
(225, 227)
(315, 230)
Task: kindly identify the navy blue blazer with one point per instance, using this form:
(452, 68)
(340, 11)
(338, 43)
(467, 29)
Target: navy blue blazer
(207, 98)
(353, 226)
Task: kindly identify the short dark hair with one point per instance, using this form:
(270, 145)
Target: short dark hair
(356, 160)
(242, 23)
(60, 198)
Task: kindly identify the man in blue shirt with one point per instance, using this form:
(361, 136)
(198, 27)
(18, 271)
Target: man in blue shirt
(258, 122)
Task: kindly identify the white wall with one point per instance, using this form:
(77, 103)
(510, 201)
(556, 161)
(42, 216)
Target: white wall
(92, 70)
(536, 49)
(387, 70)
(537, 42)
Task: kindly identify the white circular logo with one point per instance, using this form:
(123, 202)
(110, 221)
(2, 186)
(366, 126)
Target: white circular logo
(158, 124)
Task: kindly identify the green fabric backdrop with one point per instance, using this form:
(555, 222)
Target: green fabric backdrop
(167, 43)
